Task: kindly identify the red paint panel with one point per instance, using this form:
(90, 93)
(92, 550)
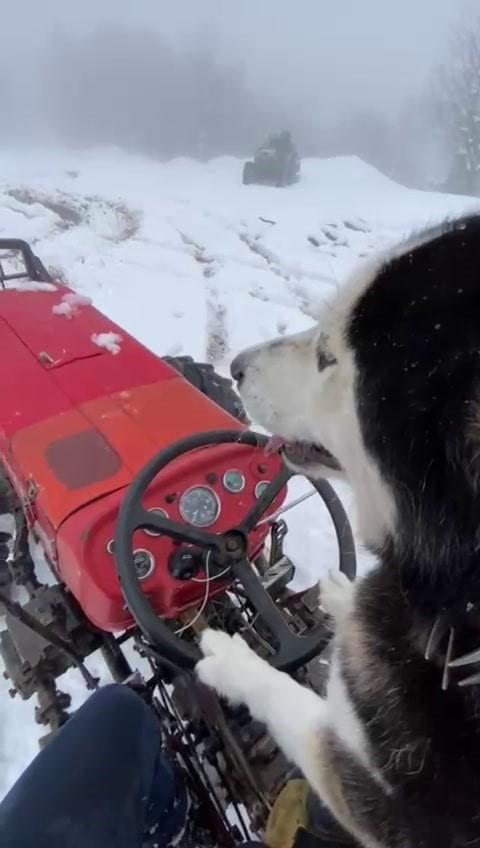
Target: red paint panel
(30, 316)
(27, 392)
(84, 380)
(139, 423)
(133, 425)
(36, 450)
(171, 410)
(32, 389)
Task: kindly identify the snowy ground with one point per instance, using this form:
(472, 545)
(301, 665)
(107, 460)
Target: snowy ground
(190, 261)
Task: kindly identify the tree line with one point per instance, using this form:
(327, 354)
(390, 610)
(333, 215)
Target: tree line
(132, 89)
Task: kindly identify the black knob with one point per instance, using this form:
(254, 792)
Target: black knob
(184, 563)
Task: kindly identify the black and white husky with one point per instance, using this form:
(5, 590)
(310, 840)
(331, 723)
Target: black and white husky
(387, 389)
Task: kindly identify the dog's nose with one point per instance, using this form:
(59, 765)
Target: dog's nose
(238, 367)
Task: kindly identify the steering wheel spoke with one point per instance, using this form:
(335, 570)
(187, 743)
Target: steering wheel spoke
(291, 650)
(144, 519)
(262, 601)
(265, 500)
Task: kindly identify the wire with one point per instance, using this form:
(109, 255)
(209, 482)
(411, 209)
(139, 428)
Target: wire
(205, 598)
(215, 576)
(207, 580)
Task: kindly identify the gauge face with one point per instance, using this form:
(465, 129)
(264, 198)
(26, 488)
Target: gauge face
(158, 511)
(144, 563)
(260, 488)
(233, 480)
(199, 506)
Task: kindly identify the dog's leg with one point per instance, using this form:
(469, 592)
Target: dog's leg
(299, 720)
(294, 715)
(336, 595)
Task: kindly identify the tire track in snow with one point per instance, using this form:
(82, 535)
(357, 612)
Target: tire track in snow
(302, 297)
(71, 211)
(109, 221)
(217, 345)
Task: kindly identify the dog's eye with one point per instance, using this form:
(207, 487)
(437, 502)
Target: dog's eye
(324, 359)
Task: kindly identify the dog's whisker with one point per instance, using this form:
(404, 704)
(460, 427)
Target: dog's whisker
(473, 680)
(466, 659)
(439, 629)
(448, 657)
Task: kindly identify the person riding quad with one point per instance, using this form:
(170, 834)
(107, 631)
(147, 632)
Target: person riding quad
(276, 162)
(283, 142)
(287, 154)
(106, 781)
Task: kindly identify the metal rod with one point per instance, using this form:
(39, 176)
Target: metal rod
(270, 519)
(41, 629)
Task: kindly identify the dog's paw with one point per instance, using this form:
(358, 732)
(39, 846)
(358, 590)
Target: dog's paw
(216, 643)
(336, 594)
(229, 666)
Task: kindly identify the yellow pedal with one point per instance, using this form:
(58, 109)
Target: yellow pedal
(287, 814)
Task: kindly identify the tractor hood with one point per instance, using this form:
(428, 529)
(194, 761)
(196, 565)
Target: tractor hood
(78, 420)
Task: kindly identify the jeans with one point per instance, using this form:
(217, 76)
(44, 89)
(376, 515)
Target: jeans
(102, 782)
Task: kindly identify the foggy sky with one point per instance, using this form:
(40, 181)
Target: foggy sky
(329, 55)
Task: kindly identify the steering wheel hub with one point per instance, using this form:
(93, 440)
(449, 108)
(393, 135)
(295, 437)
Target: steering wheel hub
(236, 544)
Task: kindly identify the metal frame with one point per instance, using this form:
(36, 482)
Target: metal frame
(34, 267)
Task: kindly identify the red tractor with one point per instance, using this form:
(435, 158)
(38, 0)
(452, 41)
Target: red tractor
(158, 512)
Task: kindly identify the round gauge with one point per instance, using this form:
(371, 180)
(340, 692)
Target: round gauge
(158, 511)
(260, 488)
(199, 506)
(111, 547)
(144, 563)
(234, 481)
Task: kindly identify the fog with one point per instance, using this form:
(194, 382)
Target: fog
(211, 77)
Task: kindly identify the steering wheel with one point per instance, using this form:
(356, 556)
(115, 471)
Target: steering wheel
(229, 549)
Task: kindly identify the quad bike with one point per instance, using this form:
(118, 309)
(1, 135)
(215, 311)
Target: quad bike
(158, 513)
(272, 167)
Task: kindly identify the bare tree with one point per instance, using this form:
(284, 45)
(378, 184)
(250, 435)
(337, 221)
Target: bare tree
(458, 93)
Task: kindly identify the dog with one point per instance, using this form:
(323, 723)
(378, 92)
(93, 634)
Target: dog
(386, 392)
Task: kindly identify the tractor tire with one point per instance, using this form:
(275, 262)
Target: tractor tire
(203, 376)
(249, 173)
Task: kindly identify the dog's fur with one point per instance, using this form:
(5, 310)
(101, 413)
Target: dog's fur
(390, 384)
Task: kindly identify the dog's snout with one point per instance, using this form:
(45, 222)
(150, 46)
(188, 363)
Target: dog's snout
(238, 367)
